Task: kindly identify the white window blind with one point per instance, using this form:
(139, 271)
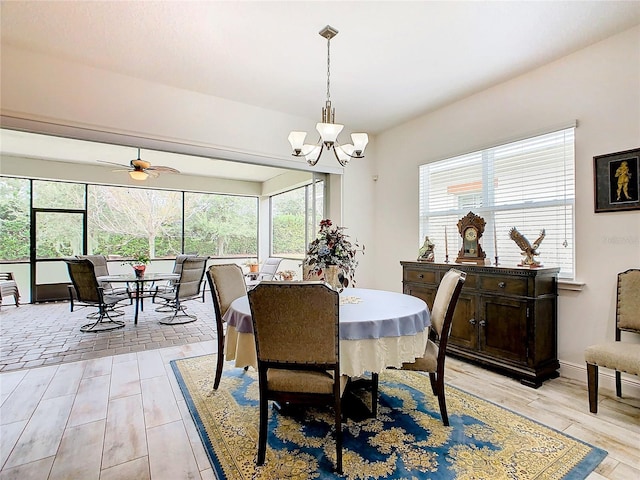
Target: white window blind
(528, 184)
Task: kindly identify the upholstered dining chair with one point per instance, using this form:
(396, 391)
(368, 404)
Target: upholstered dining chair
(296, 330)
(267, 271)
(617, 355)
(90, 292)
(434, 356)
(187, 287)
(226, 283)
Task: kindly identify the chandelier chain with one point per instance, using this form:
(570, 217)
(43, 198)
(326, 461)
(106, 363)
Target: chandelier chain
(328, 67)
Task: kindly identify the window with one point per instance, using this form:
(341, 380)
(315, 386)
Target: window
(15, 219)
(295, 216)
(527, 184)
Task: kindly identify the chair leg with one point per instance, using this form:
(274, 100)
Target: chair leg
(220, 362)
(618, 384)
(262, 434)
(100, 325)
(374, 394)
(437, 382)
(592, 383)
(338, 413)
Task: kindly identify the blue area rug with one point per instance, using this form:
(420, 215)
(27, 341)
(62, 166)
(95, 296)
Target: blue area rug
(406, 441)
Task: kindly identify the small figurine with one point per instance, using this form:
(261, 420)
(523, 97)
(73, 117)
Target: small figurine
(528, 250)
(425, 254)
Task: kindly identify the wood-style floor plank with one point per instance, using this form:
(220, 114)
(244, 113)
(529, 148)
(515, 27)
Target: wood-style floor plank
(42, 434)
(80, 453)
(125, 436)
(144, 438)
(171, 460)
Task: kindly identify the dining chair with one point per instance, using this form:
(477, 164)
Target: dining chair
(296, 329)
(226, 283)
(434, 356)
(187, 287)
(90, 292)
(267, 271)
(617, 355)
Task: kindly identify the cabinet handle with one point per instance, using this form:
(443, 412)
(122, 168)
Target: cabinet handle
(502, 284)
(482, 323)
(472, 321)
(421, 276)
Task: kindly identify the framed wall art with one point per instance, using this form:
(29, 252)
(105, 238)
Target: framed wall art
(617, 181)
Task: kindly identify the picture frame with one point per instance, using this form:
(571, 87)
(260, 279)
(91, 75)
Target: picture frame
(617, 181)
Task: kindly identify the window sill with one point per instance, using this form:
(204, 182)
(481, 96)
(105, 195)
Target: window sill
(570, 285)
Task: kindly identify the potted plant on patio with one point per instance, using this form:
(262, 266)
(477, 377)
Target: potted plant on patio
(139, 263)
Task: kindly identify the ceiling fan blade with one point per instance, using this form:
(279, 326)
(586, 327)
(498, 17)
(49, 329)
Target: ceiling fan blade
(151, 173)
(113, 163)
(160, 168)
(122, 170)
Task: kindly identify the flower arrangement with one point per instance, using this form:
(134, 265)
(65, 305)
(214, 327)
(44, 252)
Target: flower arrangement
(333, 247)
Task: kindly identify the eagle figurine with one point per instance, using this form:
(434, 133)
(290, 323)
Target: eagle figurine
(528, 250)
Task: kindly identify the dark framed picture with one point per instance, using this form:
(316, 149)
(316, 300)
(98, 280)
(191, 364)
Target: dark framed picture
(617, 181)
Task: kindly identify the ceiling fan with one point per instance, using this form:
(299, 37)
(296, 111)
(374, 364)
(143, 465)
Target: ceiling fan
(141, 169)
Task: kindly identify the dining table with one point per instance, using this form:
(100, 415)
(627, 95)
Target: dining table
(378, 329)
(138, 281)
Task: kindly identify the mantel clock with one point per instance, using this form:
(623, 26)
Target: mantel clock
(471, 228)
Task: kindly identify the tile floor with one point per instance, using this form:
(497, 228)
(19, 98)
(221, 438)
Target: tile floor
(123, 416)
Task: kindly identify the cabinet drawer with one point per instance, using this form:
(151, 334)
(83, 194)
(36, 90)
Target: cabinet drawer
(419, 276)
(506, 285)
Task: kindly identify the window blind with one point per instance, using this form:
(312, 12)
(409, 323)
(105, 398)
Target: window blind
(528, 184)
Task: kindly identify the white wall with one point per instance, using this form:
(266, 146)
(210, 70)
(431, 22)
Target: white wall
(600, 87)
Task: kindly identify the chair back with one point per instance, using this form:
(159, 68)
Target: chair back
(83, 277)
(226, 282)
(191, 276)
(296, 323)
(177, 266)
(628, 302)
(100, 267)
(445, 303)
(269, 268)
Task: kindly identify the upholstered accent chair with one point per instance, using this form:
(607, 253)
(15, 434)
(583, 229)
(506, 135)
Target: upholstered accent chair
(90, 292)
(187, 288)
(297, 344)
(226, 283)
(619, 355)
(9, 287)
(434, 356)
(267, 271)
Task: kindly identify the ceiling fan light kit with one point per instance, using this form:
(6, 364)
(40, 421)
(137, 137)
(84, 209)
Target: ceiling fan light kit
(327, 128)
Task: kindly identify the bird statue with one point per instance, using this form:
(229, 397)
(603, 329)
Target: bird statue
(528, 250)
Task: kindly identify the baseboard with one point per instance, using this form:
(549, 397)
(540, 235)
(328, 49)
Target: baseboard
(606, 378)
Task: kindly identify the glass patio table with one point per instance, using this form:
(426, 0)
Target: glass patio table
(139, 283)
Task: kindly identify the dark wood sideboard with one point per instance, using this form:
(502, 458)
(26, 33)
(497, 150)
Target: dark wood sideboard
(505, 319)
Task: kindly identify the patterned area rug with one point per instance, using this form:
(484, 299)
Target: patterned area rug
(406, 441)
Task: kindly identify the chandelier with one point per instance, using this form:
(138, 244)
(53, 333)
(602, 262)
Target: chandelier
(328, 129)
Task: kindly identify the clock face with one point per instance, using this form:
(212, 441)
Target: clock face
(470, 234)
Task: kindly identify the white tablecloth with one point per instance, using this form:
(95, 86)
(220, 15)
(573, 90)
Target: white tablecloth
(384, 330)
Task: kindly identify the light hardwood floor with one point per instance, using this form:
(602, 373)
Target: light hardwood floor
(123, 417)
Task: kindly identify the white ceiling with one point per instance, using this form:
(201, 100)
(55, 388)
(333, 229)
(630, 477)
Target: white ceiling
(391, 61)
